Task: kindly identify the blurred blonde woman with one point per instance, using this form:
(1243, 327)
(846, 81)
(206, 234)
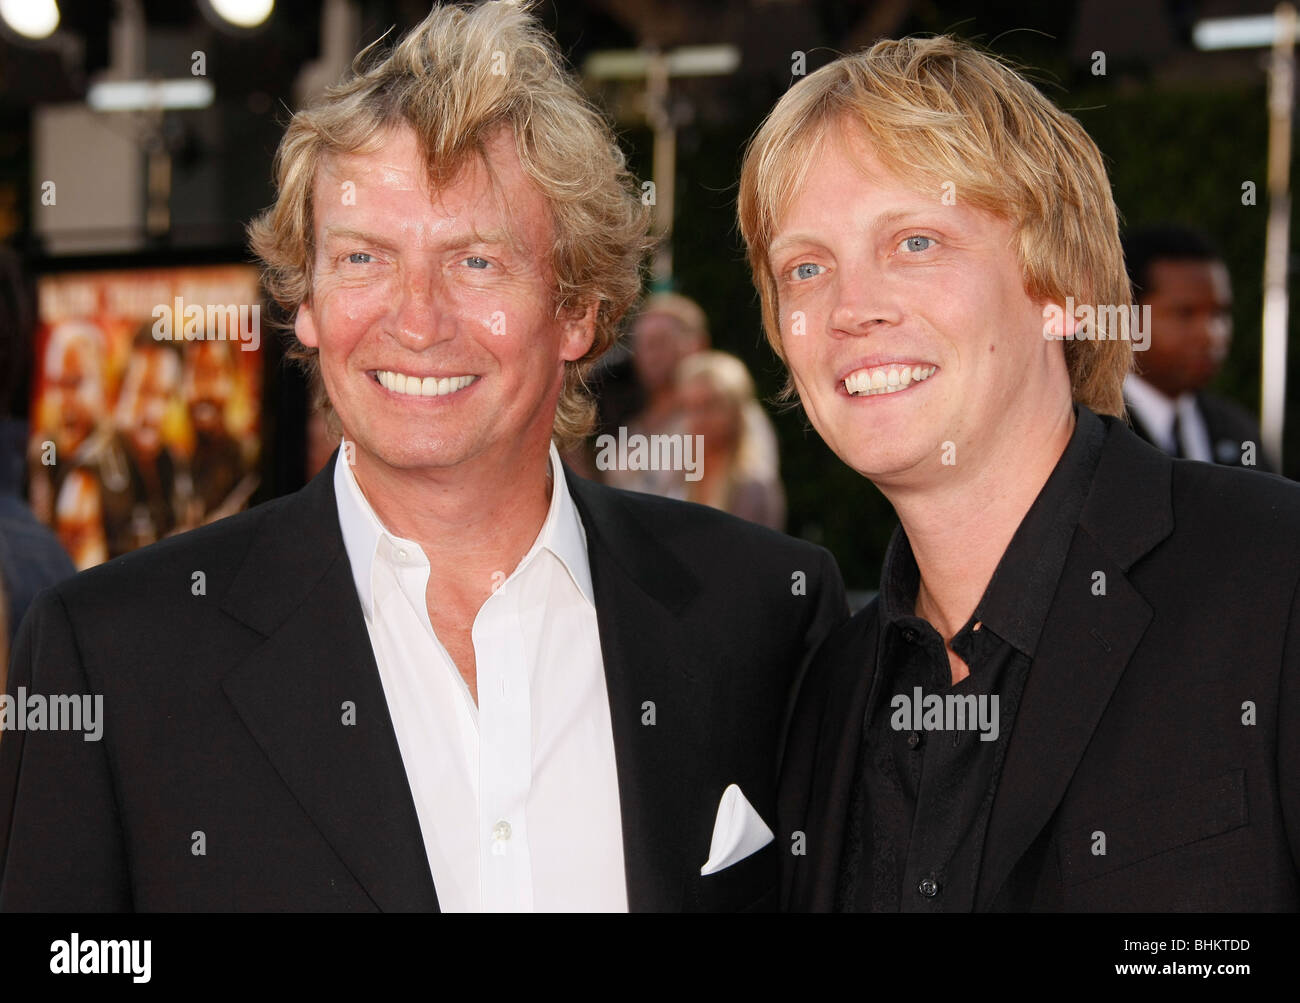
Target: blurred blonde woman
(718, 402)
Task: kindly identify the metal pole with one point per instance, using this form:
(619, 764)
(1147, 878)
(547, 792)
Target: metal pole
(1281, 107)
(665, 167)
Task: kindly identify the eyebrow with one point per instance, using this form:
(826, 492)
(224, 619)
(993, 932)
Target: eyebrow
(491, 238)
(889, 218)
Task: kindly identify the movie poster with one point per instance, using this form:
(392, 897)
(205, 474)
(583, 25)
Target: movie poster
(146, 407)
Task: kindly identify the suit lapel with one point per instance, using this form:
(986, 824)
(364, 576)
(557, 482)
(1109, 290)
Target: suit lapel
(641, 593)
(1082, 652)
(1085, 645)
(296, 589)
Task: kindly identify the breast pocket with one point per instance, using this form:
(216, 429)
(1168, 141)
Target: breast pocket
(1153, 826)
(748, 885)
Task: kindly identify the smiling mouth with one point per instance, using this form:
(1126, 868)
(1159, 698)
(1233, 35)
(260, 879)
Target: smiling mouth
(885, 379)
(418, 386)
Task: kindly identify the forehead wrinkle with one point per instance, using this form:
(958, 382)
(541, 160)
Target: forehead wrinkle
(482, 189)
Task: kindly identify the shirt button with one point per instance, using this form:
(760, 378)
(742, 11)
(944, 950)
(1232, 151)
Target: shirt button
(913, 739)
(401, 555)
(928, 887)
(501, 831)
(909, 635)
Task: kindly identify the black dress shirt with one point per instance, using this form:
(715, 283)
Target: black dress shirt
(932, 750)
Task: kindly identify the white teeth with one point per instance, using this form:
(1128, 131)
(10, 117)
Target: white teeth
(429, 386)
(885, 379)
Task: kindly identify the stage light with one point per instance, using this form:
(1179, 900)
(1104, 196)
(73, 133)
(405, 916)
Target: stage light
(33, 19)
(1235, 32)
(242, 13)
(143, 95)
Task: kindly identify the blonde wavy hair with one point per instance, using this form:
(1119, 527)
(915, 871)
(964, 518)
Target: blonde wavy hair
(939, 111)
(455, 79)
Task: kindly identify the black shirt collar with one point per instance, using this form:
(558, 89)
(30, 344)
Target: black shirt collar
(1015, 603)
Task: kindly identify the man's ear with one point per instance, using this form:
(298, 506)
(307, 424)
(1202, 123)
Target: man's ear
(1058, 323)
(579, 333)
(304, 326)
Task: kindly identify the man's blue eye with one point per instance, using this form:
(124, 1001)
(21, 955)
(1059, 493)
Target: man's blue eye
(918, 243)
(806, 270)
(477, 262)
(352, 258)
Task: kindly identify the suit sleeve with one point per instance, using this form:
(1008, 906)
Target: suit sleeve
(831, 608)
(61, 844)
(832, 604)
(1288, 731)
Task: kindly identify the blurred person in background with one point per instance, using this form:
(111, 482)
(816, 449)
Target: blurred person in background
(221, 486)
(31, 557)
(1181, 276)
(715, 391)
(668, 329)
(68, 417)
(128, 489)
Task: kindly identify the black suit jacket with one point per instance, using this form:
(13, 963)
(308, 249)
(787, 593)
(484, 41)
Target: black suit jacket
(1229, 426)
(1134, 718)
(224, 714)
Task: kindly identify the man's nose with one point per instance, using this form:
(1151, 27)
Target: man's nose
(420, 316)
(865, 299)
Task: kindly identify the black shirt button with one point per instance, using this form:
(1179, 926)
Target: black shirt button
(928, 887)
(913, 739)
(909, 635)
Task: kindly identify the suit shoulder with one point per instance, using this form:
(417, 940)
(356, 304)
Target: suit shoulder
(848, 641)
(670, 516)
(1248, 502)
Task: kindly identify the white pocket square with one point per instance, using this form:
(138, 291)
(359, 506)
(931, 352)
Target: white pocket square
(738, 832)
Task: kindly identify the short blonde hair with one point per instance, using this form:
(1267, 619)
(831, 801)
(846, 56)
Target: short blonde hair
(455, 79)
(939, 112)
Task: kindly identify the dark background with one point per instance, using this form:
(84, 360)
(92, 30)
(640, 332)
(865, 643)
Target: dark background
(1181, 130)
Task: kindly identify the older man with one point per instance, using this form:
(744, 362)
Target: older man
(446, 674)
(1079, 687)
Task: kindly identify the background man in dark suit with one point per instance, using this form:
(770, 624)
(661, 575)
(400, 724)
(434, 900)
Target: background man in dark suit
(1179, 275)
(1079, 688)
(446, 673)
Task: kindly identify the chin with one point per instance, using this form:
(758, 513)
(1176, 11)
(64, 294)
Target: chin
(882, 461)
(415, 453)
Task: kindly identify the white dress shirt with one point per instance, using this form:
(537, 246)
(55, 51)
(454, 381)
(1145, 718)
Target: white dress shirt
(1157, 412)
(518, 796)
